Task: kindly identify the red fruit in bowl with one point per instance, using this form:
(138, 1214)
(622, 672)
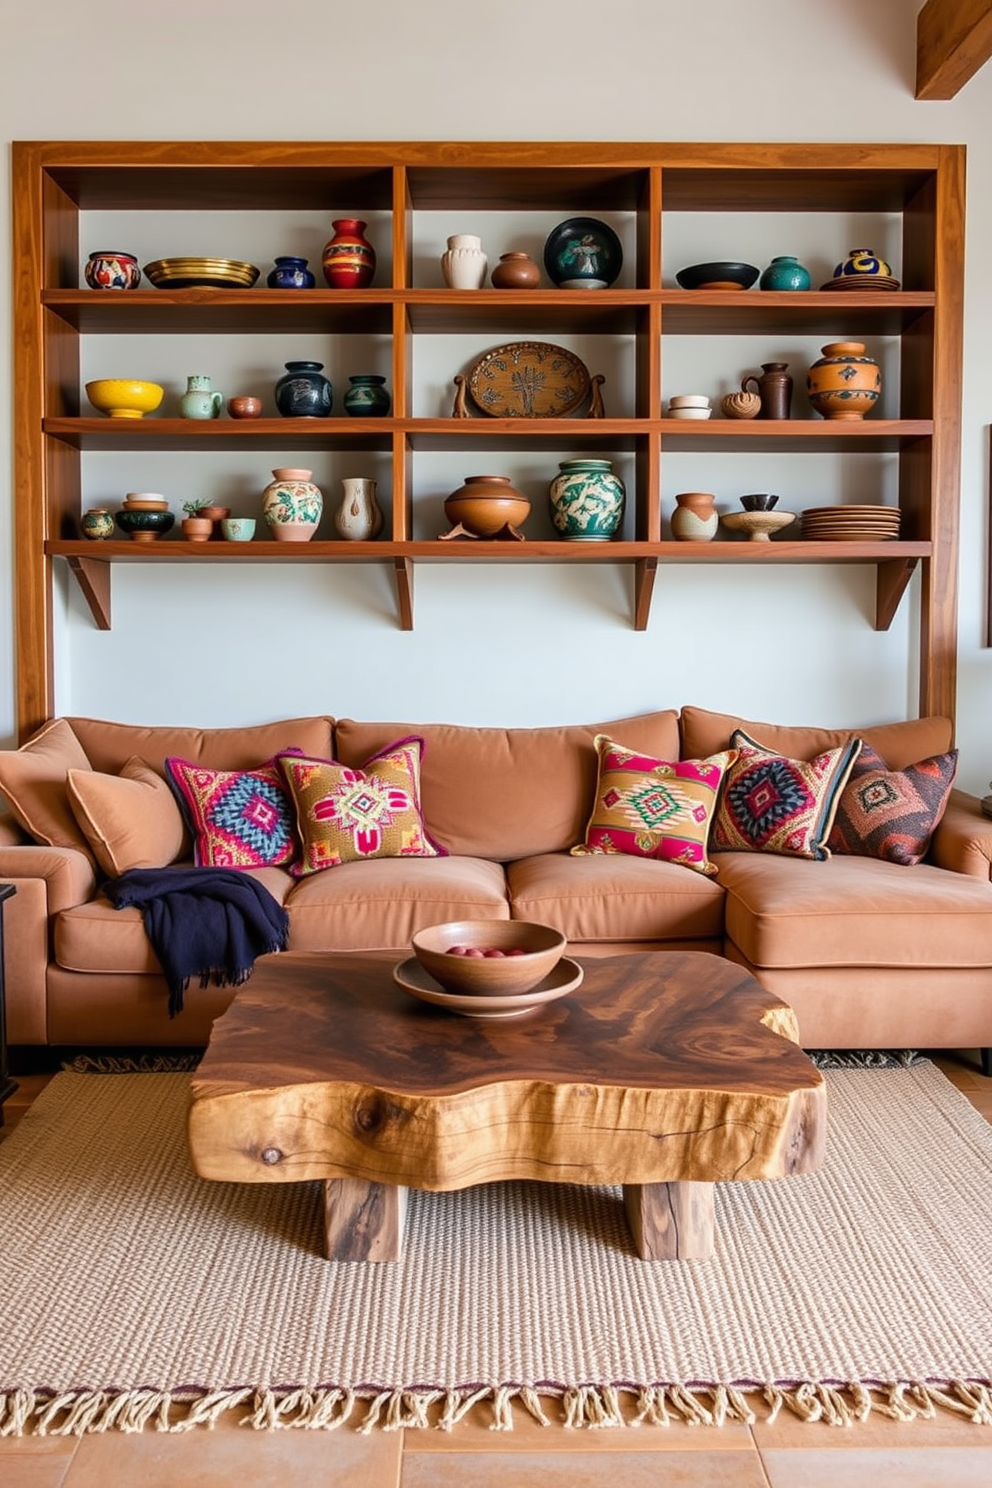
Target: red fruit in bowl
(494, 953)
(476, 951)
(517, 951)
(458, 950)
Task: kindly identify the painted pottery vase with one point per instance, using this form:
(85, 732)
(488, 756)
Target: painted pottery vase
(516, 271)
(290, 273)
(774, 388)
(465, 263)
(863, 261)
(97, 523)
(367, 397)
(695, 518)
(844, 383)
(292, 505)
(359, 517)
(349, 258)
(487, 506)
(200, 400)
(587, 500)
(304, 392)
(107, 269)
(785, 273)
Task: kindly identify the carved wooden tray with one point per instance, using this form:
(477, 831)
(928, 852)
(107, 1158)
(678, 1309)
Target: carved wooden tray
(528, 379)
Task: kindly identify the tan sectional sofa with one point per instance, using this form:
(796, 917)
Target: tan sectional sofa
(869, 953)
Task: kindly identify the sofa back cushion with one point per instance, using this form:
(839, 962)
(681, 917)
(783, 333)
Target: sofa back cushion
(899, 744)
(33, 783)
(110, 745)
(504, 794)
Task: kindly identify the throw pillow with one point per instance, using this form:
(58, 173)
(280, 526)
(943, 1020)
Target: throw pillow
(774, 804)
(130, 820)
(33, 782)
(891, 814)
(239, 818)
(652, 808)
(345, 814)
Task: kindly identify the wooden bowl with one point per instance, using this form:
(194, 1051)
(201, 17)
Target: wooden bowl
(758, 525)
(489, 976)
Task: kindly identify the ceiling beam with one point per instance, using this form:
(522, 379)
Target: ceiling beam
(953, 40)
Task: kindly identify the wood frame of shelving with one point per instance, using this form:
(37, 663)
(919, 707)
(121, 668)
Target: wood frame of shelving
(53, 182)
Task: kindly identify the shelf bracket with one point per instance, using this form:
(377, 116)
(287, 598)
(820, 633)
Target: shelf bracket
(93, 578)
(891, 579)
(644, 575)
(404, 591)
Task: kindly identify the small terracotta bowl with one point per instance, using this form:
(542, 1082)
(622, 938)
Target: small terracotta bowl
(214, 513)
(489, 976)
(244, 407)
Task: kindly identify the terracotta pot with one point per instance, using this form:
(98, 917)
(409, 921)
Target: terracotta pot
(516, 271)
(486, 506)
(844, 383)
(197, 529)
(695, 518)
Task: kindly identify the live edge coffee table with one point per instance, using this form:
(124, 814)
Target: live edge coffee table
(663, 1072)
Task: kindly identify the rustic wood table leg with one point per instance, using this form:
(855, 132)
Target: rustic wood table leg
(363, 1221)
(671, 1221)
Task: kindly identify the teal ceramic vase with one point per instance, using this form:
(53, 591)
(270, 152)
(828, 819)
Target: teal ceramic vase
(97, 523)
(785, 273)
(587, 500)
(200, 400)
(367, 397)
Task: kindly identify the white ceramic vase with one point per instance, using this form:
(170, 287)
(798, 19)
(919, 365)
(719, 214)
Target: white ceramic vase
(464, 265)
(359, 517)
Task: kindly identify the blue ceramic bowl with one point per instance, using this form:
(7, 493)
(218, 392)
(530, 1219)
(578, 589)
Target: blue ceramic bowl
(717, 276)
(145, 526)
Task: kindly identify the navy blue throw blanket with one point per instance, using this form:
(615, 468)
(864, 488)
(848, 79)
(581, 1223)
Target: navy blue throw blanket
(205, 922)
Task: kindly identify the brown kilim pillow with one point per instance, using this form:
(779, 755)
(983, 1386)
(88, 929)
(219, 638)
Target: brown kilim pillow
(891, 814)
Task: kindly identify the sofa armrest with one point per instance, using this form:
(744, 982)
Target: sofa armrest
(962, 842)
(11, 835)
(47, 879)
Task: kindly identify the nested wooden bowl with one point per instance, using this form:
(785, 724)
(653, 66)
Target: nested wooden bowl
(489, 976)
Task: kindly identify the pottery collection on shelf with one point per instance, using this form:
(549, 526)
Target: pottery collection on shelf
(200, 400)
(844, 383)
(348, 258)
(292, 505)
(303, 391)
(587, 500)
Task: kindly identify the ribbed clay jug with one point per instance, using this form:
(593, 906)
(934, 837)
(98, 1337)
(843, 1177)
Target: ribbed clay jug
(774, 388)
(464, 264)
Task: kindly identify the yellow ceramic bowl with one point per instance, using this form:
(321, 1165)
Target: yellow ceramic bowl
(122, 398)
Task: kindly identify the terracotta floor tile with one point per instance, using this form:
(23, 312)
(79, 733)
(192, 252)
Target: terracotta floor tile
(235, 1458)
(955, 1467)
(584, 1470)
(473, 1434)
(34, 1462)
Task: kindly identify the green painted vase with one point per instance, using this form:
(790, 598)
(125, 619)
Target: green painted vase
(587, 500)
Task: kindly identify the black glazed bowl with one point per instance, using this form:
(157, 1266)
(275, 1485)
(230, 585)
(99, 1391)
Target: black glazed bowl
(145, 526)
(759, 502)
(717, 276)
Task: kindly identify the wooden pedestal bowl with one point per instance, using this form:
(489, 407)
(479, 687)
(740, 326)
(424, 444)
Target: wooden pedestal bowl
(536, 949)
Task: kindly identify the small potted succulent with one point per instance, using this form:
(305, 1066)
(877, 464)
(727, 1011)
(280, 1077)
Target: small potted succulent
(196, 526)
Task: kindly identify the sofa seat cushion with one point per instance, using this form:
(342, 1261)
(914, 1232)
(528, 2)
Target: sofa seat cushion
(848, 911)
(612, 898)
(379, 904)
(96, 937)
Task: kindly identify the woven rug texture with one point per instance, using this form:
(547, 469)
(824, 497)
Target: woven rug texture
(135, 1294)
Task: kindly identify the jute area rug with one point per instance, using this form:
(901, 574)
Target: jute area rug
(133, 1294)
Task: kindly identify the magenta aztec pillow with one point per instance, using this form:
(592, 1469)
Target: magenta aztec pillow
(238, 818)
(891, 814)
(650, 808)
(777, 805)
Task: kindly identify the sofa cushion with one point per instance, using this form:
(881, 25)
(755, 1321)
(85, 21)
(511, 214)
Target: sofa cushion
(345, 814)
(380, 903)
(899, 744)
(606, 897)
(130, 820)
(108, 744)
(650, 808)
(892, 814)
(849, 911)
(774, 804)
(33, 781)
(508, 793)
(238, 818)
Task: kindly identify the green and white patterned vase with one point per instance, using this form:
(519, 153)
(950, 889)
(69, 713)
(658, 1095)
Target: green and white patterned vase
(292, 505)
(587, 500)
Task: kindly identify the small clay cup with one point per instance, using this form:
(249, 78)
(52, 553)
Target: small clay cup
(758, 502)
(244, 407)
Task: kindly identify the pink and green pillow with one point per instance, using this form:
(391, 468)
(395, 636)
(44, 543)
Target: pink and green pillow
(653, 808)
(892, 814)
(238, 818)
(773, 804)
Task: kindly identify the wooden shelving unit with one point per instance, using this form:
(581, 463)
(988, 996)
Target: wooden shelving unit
(55, 182)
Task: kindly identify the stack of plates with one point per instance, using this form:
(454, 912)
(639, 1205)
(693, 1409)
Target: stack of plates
(212, 273)
(851, 524)
(866, 283)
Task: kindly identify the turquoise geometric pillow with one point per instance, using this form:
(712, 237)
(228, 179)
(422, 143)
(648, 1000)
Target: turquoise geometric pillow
(238, 818)
(777, 805)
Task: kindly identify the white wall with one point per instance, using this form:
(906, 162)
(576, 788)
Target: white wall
(520, 645)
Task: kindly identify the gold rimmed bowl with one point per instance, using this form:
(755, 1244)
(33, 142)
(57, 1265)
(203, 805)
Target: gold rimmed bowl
(209, 273)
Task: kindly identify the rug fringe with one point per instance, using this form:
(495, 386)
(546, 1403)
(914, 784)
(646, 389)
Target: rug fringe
(590, 1406)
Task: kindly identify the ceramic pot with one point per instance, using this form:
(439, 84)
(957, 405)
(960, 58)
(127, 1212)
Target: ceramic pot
(290, 273)
(200, 401)
(774, 388)
(464, 264)
(844, 383)
(244, 407)
(238, 529)
(349, 258)
(197, 529)
(863, 261)
(587, 500)
(97, 523)
(695, 518)
(292, 505)
(486, 506)
(516, 271)
(109, 270)
(359, 517)
(785, 272)
(367, 397)
(740, 405)
(304, 392)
